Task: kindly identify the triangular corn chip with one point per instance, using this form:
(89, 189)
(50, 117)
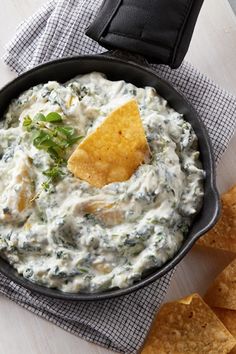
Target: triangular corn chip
(188, 326)
(114, 150)
(222, 293)
(223, 235)
(227, 317)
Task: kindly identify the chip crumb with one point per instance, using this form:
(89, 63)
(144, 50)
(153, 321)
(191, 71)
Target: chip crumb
(188, 326)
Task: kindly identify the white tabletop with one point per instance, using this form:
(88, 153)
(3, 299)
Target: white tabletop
(213, 51)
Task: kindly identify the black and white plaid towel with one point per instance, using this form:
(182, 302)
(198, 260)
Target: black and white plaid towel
(57, 30)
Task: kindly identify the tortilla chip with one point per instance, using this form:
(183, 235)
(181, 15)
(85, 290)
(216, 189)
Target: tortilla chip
(223, 235)
(222, 293)
(227, 317)
(114, 150)
(188, 326)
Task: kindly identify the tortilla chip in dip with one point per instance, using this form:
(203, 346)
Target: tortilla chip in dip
(227, 317)
(223, 235)
(188, 326)
(222, 293)
(114, 150)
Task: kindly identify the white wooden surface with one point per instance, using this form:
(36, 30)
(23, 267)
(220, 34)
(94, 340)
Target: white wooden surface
(213, 51)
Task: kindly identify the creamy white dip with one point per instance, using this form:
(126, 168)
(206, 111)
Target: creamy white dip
(52, 241)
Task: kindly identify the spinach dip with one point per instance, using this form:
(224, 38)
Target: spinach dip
(48, 231)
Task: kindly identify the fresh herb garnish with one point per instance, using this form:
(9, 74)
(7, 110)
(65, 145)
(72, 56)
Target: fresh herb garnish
(53, 117)
(54, 173)
(51, 135)
(27, 121)
(39, 116)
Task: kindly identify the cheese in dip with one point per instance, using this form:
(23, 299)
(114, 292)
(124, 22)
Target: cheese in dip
(51, 236)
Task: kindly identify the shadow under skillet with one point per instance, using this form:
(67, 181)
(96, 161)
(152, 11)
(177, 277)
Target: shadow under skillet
(233, 5)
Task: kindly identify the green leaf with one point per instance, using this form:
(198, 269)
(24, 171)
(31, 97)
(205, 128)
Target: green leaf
(61, 143)
(46, 186)
(53, 117)
(52, 139)
(39, 117)
(35, 134)
(53, 154)
(43, 141)
(74, 140)
(54, 172)
(66, 130)
(27, 121)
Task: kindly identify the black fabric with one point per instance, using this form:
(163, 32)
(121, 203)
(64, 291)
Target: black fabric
(160, 30)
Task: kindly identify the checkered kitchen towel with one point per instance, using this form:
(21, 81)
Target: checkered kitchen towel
(55, 31)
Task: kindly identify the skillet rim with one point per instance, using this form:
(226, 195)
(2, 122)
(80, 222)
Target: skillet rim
(11, 273)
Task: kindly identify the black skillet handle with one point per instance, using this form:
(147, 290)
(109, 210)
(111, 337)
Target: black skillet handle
(127, 56)
(159, 30)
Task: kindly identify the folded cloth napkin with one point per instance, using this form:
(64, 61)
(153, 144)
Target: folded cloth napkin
(57, 30)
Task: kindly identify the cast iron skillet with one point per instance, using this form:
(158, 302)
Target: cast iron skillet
(116, 69)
